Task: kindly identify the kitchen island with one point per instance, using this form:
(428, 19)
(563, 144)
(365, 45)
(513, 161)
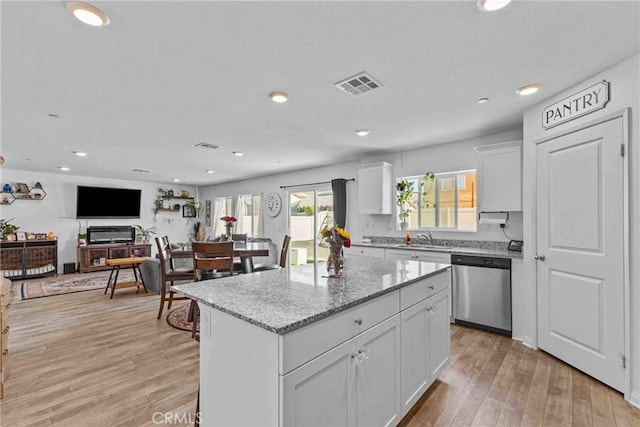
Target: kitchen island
(292, 347)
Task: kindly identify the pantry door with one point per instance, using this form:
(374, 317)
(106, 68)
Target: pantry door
(580, 249)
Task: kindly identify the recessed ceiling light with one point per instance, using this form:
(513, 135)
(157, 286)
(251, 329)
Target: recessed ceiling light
(88, 14)
(176, 180)
(529, 89)
(483, 100)
(279, 97)
(64, 168)
(362, 132)
(238, 153)
(79, 153)
(491, 5)
(210, 171)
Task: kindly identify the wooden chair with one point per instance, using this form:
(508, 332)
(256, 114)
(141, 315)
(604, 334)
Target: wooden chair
(209, 257)
(283, 257)
(169, 274)
(237, 264)
(239, 237)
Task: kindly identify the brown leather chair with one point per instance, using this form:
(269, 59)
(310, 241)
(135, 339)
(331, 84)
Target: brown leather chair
(211, 260)
(283, 257)
(239, 237)
(169, 274)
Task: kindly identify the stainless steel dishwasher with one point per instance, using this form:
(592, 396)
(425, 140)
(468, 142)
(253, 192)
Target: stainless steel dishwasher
(482, 292)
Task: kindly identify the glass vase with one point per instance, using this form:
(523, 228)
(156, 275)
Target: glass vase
(229, 228)
(335, 261)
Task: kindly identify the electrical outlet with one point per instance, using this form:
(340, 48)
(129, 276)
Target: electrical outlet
(205, 323)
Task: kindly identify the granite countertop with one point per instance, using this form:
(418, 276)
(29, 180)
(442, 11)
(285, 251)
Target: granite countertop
(479, 248)
(284, 300)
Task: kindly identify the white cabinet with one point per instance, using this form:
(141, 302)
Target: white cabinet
(321, 392)
(425, 346)
(500, 177)
(427, 256)
(375, 188)
(365, 251)
(354, 384)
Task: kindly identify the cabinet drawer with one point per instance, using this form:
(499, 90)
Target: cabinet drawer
(416, 292)
(360, 251)
(311, 341)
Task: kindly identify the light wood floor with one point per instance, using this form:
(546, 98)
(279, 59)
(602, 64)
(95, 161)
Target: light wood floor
(84, 360)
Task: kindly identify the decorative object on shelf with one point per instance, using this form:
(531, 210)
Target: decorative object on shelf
(21, 187)
(143, 234)
(8, 229)
(6, 188)
(273, 204)
(228, 224)
(21, 236)
(51, 235)
(184, 193)
(337, 238)
(41, 236)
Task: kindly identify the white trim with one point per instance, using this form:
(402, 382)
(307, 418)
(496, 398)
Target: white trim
(624, 115)
(635, 399)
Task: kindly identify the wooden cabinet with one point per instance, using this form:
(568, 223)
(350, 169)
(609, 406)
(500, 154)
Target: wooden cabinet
(5, 298)
(500, 177)
(29, 258)
(425, 345)
(94, 257)
(375, 188)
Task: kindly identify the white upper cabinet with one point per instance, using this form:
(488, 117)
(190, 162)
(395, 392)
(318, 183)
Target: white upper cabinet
(375, 188)
(500, 177)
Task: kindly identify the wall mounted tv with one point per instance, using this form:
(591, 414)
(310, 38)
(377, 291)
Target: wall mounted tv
(103, 202)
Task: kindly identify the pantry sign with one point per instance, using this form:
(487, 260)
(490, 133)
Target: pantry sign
(586, 101)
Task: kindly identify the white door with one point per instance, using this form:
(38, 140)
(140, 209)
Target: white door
(378, 375)
(414, 335)
(439, 333)
(320, 392)
(580, 200)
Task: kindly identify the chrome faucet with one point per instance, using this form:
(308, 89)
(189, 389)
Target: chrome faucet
(426, 236)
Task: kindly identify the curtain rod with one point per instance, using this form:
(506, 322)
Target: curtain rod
(312, 183)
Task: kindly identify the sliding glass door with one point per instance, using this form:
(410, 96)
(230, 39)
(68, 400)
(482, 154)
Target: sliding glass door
(309, 211)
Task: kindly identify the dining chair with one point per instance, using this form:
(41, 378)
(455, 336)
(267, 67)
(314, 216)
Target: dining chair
(283, 257)
(210, 261)
(237, 263)
(169, 274)
(239, 237)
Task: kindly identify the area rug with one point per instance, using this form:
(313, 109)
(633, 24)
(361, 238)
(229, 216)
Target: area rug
(178, 318)
(66, 285)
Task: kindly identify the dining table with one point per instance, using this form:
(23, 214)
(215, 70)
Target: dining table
(243, 250)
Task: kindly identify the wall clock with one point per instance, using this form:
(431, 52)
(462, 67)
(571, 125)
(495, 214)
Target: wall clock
(273, 204)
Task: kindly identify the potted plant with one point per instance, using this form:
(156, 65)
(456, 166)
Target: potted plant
(8, 229)
(143, 234)
(404, 190)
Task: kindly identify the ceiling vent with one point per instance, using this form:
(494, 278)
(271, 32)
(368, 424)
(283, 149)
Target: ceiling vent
(140, 171)
(358, 84)
(207, 145)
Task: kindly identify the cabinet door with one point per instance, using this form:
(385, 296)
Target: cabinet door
(97, 257)
(500, 177)
(437, 257)
(320, 392)
(439, 334)
(378, 375)
(122, 252)
(375, 189)
(415, 370)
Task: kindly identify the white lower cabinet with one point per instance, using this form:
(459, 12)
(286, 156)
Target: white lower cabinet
(354, 384)
(425, 346)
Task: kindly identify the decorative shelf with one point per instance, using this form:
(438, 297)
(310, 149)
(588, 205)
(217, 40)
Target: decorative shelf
(34, 194)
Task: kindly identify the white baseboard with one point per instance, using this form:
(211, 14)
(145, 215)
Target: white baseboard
(528, 341)
(635, 399)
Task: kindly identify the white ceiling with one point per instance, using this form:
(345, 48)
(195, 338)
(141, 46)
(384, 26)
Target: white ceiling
(164, 76)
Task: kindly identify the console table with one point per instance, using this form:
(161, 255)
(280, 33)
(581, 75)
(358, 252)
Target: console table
(29, 258)
(94, 257)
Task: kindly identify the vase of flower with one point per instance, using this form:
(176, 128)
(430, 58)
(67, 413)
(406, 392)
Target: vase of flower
(229, 229)
(228, 225)
(335, 238)
(335, 261)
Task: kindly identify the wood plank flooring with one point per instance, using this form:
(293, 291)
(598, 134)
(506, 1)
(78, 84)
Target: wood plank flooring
(85, 360)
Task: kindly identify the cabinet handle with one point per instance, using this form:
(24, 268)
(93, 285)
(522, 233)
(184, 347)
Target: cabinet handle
(4, 332)
(358, 322)
(5, 352)
(431, 287)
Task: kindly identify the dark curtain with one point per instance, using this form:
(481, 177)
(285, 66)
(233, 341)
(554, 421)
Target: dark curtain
(339, 188)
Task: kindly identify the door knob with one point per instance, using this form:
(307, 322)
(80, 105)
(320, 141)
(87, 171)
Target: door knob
(540, 257)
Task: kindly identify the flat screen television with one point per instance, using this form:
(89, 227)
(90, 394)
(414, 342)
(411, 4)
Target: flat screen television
(103, 202)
